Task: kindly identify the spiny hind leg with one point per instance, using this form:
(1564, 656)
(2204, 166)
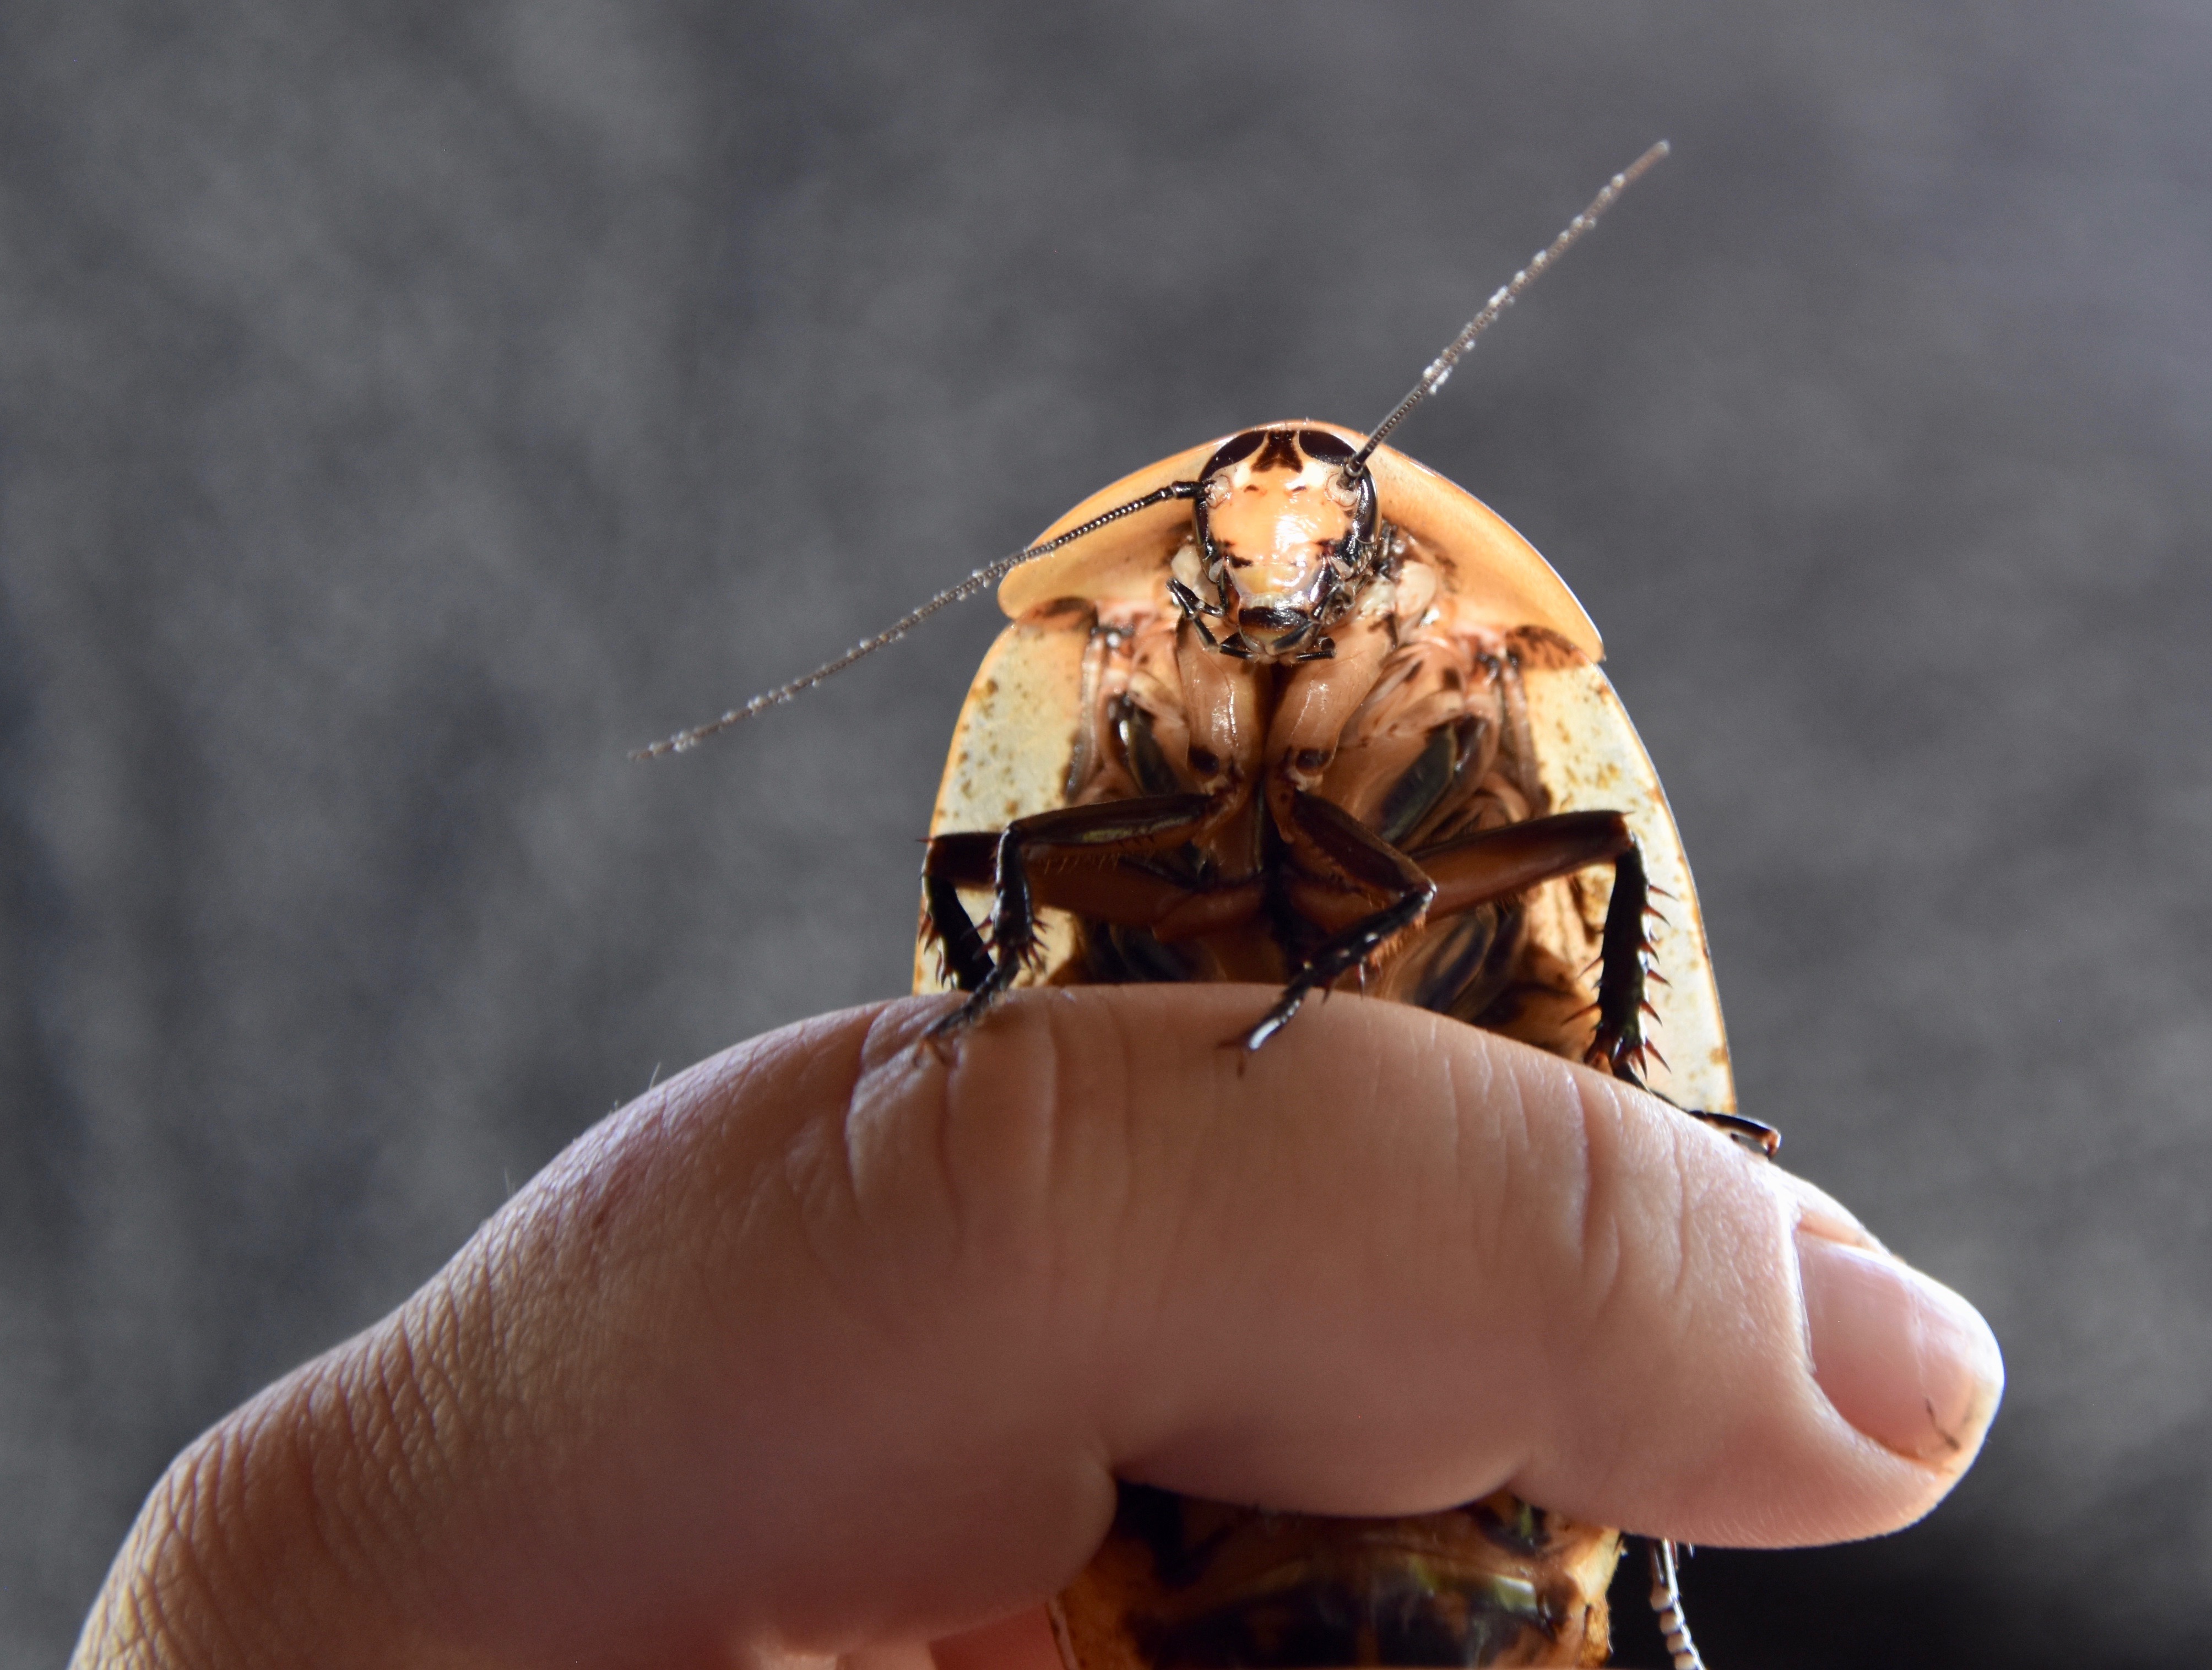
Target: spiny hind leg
(1619, 1044)
(1494, 864)
(1761, 1137)
(1454, 875)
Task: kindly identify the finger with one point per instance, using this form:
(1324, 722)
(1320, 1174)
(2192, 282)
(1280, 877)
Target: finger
(1409, 1263)
(829, 1341)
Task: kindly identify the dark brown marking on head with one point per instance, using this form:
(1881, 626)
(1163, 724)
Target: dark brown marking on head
(1235, 448)
(1203, 761)
(1312, 759)
(1281, 453)
(1321, 444)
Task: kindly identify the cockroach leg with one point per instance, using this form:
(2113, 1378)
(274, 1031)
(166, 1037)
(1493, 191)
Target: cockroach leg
(1074, 855)
(1358, 861)
(1666, 1605)
(955, 861)
(1492, 864)
(1618, 1044)
(1489, 864)
(1761, 1139)
(1458, 875)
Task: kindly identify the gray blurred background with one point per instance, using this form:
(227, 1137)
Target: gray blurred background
(407, 407)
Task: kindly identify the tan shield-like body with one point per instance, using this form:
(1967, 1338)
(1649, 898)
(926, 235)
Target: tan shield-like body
(1182, 1585)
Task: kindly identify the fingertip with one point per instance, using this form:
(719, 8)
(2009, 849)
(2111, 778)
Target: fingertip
(1900, 1356)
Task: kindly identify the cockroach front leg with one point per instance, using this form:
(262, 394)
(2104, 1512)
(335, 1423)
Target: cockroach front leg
(1076, 855)
(1365, 865)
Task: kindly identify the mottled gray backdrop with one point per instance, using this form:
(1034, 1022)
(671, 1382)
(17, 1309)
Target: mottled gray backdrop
(406, 407)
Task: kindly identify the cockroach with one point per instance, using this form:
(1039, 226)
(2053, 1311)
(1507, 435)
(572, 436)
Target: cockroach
(1289, 707)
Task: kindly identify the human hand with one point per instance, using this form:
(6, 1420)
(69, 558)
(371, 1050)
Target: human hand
(830, 1347)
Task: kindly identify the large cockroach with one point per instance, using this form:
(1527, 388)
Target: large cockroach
(1289, 707)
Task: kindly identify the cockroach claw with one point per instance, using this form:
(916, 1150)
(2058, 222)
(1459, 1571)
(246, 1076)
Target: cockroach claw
(1756, 1135)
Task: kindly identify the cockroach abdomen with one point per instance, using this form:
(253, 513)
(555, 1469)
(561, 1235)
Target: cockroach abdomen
(1186, 1584)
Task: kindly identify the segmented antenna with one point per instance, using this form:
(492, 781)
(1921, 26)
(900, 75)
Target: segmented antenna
(1667, 1603)
(989, 574)
(1441, 367)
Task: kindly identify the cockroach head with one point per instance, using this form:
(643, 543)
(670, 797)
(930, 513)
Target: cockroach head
(1284, 534)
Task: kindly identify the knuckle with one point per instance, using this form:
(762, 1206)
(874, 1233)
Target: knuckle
(926, 1201)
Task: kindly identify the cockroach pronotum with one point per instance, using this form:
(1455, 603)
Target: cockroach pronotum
(1289, 707)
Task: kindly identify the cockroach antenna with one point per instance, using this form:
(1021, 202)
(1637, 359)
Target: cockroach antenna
(1433, 378)
(989, 574)
(1440, 368)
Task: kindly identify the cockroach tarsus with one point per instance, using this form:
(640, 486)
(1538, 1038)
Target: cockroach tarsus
(1289, 707)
